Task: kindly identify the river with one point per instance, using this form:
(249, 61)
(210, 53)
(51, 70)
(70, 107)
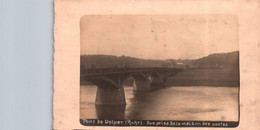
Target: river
(182, 103)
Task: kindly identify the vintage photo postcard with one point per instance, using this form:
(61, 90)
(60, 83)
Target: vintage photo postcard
(134, 68)
(159, 70)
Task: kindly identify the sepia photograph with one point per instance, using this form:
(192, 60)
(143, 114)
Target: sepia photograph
(159, 70)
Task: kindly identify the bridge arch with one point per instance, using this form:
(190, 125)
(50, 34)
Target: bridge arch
(103, 81)
(109, 91)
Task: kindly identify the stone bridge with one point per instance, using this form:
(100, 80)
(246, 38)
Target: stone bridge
(109, 81)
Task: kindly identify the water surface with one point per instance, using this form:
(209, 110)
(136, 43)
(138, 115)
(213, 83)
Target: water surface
(171, 103)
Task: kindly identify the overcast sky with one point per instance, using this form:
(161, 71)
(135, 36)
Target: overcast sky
(159, 36)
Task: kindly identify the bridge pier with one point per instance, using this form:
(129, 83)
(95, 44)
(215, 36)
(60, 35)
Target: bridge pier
(110, 112)
(110, 90)
(141, 81)
(110, 96)
(141, 84)
(156, 80)
(157, 85)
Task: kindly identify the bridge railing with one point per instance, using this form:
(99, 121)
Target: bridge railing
(104, 70)
(121, 70)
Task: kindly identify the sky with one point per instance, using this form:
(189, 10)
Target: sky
(158, 36)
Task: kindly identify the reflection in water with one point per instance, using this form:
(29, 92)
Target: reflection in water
(169, 103)
(115, 112)
(140, 94)
(139, 104)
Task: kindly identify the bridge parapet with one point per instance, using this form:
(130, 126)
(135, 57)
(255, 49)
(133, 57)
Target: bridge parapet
(95, 71)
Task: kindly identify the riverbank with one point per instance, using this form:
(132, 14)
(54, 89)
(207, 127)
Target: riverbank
(205, 77)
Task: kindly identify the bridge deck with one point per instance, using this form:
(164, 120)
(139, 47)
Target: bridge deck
(114, 71)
